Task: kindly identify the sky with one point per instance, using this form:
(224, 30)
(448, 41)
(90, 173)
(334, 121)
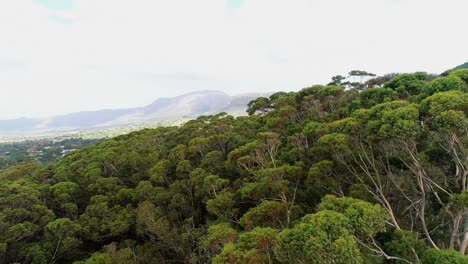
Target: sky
(62, 56)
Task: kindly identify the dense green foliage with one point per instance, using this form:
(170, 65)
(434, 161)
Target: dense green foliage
(374, 173)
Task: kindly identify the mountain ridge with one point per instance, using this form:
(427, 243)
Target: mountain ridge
(187, 105)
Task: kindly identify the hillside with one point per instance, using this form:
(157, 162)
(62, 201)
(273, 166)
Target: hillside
(377, 173)
(463, 66)
(163, 109)
(459, 67)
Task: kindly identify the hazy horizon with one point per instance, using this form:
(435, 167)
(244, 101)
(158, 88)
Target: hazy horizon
(150, 101)
(63, 56)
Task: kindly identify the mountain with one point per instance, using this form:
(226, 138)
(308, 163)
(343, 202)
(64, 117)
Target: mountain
(462, 66)
(184, 106)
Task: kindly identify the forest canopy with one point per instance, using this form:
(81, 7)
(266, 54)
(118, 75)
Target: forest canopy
(348, 172)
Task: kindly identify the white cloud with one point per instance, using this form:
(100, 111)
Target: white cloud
(118, 53)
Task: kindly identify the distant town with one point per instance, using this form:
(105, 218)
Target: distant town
(42, 151)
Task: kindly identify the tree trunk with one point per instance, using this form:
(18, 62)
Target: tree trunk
(455, 229)
(464, 243)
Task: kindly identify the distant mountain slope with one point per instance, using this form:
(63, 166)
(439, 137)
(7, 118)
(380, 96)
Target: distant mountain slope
(463, 66)
(185, 106)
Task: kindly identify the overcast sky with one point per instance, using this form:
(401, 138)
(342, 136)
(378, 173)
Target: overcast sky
(60, 56)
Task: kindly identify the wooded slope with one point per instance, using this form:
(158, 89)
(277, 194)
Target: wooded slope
(375, 173)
